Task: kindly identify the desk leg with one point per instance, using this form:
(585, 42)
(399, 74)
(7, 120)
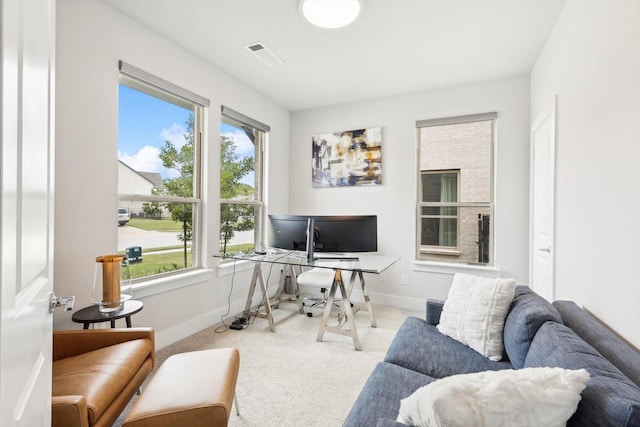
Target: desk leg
(85, 325)
(288, 271)
(257, 277)
(346, 309)
(276, 299)
(128, 320)
(296, 290)
(367, 301)
(113, 323)
(368, 307)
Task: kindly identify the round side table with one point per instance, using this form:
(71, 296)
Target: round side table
(92, 314)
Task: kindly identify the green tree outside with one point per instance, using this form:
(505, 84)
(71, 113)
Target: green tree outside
(181, 160)
(234, 167)
(153, 209)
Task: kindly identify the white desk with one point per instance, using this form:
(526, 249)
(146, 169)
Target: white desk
(365, 263)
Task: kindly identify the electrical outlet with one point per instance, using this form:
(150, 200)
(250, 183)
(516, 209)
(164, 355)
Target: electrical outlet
(404, 279)
(382, 276)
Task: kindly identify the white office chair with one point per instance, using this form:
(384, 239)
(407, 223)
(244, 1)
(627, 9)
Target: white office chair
(321, 278)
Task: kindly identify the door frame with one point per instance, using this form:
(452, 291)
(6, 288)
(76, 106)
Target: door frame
(549, 114)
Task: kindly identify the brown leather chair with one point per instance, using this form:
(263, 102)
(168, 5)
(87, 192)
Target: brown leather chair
(96, 372)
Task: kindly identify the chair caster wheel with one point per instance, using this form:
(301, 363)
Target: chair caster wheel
(309, 314)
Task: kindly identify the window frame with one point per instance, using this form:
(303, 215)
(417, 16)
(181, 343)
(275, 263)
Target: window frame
(260, 143)
(422, 251)
(149, 84)
(440, 249)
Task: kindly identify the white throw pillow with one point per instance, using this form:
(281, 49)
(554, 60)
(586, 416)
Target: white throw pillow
(475, 311)
(524, 397)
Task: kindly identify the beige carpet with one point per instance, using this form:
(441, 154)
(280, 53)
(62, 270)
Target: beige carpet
(286, 377)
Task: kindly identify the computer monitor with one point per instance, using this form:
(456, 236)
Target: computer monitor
(288, 232)
(351, 233)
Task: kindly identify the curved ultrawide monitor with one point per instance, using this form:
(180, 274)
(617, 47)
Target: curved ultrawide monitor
(351, 233)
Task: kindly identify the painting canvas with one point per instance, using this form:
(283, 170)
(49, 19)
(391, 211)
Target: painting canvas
(347, 158)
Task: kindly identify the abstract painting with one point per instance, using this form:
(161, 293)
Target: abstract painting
(347, 158)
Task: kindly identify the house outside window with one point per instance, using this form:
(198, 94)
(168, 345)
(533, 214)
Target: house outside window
(159, 144)
(455, 189)
(242, 146)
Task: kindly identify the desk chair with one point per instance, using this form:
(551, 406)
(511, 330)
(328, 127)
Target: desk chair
(319, 278)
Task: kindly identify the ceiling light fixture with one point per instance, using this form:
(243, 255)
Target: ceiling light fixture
(330, 14)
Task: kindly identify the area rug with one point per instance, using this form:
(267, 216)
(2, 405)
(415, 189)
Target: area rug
(286, 377)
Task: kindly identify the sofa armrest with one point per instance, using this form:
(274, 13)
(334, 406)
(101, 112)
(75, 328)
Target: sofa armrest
(387, 422)
(72, 342)
(69, 411)
(434, 309)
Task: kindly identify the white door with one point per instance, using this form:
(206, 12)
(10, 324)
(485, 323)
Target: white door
(26, 216)
(542, 204)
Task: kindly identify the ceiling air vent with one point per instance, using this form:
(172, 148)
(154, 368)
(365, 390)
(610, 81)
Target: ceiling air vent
(262, 52)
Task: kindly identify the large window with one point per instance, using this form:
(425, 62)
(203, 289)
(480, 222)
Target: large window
(455, 189)
(159, 138)
(242, 142)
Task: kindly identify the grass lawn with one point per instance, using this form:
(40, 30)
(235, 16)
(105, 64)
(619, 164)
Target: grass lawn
(243, 247)
(165, 224)
(158, 263)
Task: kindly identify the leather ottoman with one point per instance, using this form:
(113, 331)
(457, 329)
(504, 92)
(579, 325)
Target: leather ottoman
(189, 389)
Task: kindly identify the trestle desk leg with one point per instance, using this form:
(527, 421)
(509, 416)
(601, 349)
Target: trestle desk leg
(346, 307)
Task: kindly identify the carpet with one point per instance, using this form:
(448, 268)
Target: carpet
(286, 377)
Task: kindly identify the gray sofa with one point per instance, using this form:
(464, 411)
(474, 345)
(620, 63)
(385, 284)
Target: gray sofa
(536, 334)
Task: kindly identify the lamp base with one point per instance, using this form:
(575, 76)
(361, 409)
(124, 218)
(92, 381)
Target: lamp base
(110, 306)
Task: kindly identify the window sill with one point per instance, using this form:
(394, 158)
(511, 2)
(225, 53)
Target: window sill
(451, 268)
(450, 252)
(171, 283)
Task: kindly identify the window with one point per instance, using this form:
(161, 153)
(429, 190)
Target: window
(440, 224)
(242, 142)
(455, 190)
(159, 137)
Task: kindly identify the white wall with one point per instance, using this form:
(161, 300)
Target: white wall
(394, 201)
(91, 38)
(592, 62)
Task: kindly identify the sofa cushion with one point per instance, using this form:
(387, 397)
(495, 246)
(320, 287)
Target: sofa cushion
(380, 397)
(434, 310)
(602, 339)
(100, 375)
(421, 347)
(530, 397)
(610, 398)
(527, 313)
(475, 311)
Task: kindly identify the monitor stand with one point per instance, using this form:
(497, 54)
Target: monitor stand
(311, 223)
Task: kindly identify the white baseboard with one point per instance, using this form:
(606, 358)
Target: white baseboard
(401, 302)
(180, 331)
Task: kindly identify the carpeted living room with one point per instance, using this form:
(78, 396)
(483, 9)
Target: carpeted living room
(317, 382)
(236, 212)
